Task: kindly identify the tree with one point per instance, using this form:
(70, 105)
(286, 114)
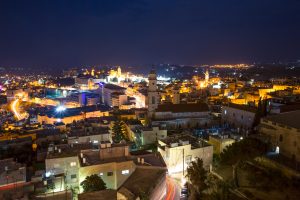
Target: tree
(244, 150)
(93, 183)
(197, 176)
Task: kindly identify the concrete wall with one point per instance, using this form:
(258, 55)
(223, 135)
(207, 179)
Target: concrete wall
(115, 180)
(173, 156)
(63, 165)
(69, 120)
(238, 118)
(90, 138)
(151, 136)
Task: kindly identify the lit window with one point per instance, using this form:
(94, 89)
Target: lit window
(225, 112)
(72, 164)
(101, 174)
(126, 171)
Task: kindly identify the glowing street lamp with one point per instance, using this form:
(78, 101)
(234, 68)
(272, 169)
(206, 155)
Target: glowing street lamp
(60, 109)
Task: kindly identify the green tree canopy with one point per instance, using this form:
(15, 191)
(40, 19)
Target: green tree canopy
(93, 183)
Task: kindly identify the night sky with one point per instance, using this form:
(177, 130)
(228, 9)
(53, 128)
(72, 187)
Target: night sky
(72, 33)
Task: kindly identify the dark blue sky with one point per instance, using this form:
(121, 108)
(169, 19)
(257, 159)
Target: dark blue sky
(70, 33)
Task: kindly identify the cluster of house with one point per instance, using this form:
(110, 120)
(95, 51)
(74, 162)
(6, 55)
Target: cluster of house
(88, 147)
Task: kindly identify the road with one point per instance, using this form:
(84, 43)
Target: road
(14, 108)
(173, 189)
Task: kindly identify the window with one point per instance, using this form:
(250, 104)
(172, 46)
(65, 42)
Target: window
(125, 172)
(101, 174)
(73, 176)
(280, 138)
(153, 100)
(188, 159)
(73, 164)
(225, 112)
(110, 173)
(242, 117)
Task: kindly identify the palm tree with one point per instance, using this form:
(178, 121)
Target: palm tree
(197, 176)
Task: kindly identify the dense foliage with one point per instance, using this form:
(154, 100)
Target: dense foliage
(93, 183)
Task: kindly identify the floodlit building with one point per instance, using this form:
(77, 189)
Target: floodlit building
(69, 165)
(109, 91)
(68, 115)
(153, 97)
(179, 150)
(283, 131)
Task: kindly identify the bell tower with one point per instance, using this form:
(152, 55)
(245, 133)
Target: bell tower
(152, 98)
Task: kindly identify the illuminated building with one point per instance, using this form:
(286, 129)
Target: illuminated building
(179, 151)
(108, 91)
(69, 165)
(69, 115)
(175, 95)
(152, 98)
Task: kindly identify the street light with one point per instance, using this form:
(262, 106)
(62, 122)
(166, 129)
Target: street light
(60, 109)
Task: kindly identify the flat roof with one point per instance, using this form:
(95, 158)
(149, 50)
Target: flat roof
(98, 195)
(113, 87)
(95, 131)
(290, 119)
(242, 107)
(193, 141)
(143, 180)
(68, 150)
(179, 108)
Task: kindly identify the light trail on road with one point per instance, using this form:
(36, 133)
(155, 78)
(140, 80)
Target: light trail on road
(171, 189)
(15, 110)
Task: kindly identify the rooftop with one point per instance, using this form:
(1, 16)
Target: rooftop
(290, 119)
(184, 139)
(178, 108)
(242, 107)
(95, 131)
(114, 87)
(68, 150)
(10, 164)
(143, 180)
(98, 195)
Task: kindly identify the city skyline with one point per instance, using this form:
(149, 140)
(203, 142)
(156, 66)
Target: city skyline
(65, 34)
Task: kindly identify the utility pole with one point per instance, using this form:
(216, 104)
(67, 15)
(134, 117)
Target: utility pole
(183, 162)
